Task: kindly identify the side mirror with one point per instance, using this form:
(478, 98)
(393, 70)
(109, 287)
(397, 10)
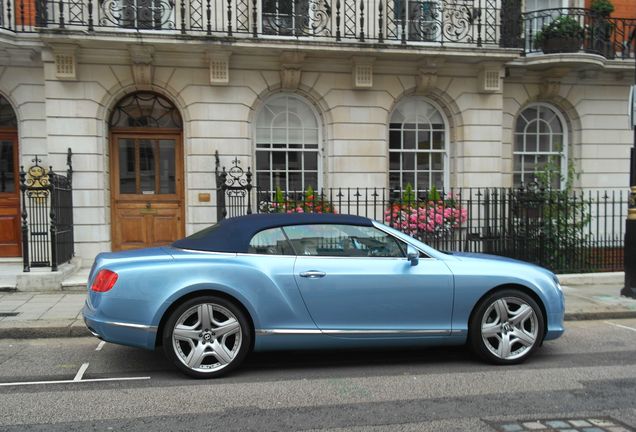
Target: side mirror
(412, 255)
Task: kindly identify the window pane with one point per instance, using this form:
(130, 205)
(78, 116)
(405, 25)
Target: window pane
(167, 180)
(262, 160)
(127, 179)
(423, 181)
(311, 161)
(270, 242)
(437, 160)
(409, 140)
(7, 180)
(293, 161)
(295, 182)
(343, 240)
(423, 162)
(278, 161)
(423, 140)
(438, 140)
(395, 140)
(544, 143)
(147, 168)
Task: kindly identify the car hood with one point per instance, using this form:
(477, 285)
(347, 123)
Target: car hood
(464, 256)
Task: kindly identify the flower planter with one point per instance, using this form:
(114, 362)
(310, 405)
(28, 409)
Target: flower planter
(561, 45)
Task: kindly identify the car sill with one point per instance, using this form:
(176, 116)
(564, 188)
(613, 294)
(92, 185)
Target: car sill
(269, 332)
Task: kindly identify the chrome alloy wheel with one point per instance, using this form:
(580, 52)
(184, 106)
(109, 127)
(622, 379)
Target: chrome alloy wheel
(509, 328)
(207, 337)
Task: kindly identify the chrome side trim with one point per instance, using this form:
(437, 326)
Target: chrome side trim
(130, 325)
(269, 332)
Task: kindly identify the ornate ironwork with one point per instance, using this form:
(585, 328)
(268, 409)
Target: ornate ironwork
(146, 110)
(139, 14)
(242, 16)
(47, 215)
(7, 115)
(234, 188)
(196, 14)
(297, 17)
(75, 12)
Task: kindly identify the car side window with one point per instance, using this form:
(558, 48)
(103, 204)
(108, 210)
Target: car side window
(270, 242)
(343, 241)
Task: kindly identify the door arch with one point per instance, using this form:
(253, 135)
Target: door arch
(10, 245)
(146, 172)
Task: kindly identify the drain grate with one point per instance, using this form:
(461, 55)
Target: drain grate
(8, 314)
(596, 424)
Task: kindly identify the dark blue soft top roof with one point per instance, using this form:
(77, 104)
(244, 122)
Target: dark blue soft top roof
(234, 234)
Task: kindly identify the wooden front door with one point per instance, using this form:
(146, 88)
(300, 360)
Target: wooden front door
(10, 245)
(146, 189)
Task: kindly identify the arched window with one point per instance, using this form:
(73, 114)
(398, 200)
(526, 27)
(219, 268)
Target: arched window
(287, 145)
(540, 142)
(145, 110)
(417, 146)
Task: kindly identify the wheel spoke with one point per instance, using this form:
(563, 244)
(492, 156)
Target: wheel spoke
(182, 332)
(523, 337)
(490, 330)
(523, 313)
(504, 346)
(196, 356)
(502, 310)
(228, 327)
(221, 352)
(205, 316)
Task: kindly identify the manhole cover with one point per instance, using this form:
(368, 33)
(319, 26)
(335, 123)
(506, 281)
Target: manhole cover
(8, 314)
(591, 424)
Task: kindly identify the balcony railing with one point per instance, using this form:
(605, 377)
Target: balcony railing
(608, 36)
(436, 22)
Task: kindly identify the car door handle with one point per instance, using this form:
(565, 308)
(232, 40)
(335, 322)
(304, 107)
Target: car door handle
(313, 274)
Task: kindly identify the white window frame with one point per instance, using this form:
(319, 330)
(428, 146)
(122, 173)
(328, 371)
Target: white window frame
(563, 154)
(444, 152)
(318, 150)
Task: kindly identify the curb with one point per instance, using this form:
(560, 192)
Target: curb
(590, 316)
(35, 330)
(27, 330)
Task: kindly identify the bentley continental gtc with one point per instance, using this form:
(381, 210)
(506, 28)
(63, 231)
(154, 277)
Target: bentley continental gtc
(305, 281)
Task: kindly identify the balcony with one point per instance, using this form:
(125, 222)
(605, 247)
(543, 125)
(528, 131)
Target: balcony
(372, 23)
(610, 37)
(427, 22)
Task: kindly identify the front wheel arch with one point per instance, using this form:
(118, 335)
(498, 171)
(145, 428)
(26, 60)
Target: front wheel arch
(524, 289)
(204, 292)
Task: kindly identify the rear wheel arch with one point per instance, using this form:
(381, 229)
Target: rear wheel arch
(199, 293)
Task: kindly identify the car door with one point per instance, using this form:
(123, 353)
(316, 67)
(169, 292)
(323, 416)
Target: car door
(357, 282)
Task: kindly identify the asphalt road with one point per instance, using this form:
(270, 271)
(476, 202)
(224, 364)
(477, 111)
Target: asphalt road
(590, 373)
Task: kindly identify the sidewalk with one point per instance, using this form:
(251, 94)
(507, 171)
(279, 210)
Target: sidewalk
(39, 315)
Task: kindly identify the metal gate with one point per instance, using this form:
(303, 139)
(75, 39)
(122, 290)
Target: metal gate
(47, 215)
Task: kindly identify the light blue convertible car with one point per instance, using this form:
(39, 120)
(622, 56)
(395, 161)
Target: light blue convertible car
(290, 281)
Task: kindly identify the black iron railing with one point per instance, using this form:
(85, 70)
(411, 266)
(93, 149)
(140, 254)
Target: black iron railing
(566, 232)
(608, 36)
(475, 22)
(47, 216)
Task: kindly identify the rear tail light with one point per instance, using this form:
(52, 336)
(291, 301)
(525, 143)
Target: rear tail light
(104, 281)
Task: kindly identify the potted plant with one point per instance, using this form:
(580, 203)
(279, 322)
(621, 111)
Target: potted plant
(602, 8)
(564, 34)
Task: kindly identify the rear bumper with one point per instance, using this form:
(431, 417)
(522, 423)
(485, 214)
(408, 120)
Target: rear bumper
(124, 333)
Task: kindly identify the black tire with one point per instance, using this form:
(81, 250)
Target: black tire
(488, 334)
(211, 353)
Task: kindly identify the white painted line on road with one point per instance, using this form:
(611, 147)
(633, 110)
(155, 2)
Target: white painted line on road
(100, 346)
(73, 381)
(80, 372)
(621, 326)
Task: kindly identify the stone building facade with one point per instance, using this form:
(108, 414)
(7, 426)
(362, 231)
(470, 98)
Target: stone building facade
(145, 110)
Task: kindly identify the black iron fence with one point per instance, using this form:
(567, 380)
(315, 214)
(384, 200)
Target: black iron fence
(47, 216)
(577, 29)
(565, 232)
